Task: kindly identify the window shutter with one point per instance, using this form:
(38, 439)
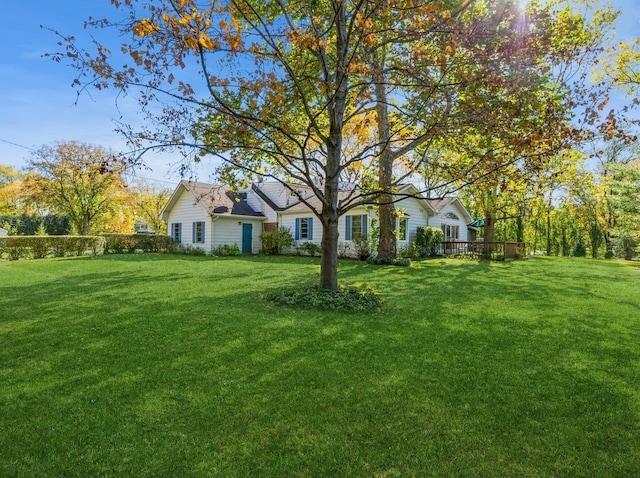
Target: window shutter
(297, 234)
(347, 222)
(180, 232)
(193, 232)
(310, 229)
(364, 224)
(203, 236)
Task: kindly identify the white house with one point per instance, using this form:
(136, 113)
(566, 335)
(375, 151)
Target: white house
(213, 215)
(452, 217)
(208, 216)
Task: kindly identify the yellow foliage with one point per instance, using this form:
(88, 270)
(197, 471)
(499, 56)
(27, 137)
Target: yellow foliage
(145, 27)
(206, 42)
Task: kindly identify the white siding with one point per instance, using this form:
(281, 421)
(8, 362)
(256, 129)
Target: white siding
(288, 221)
(416, 215)
(257, 204)
(461, 222)
(217, 231)
(187, 211)
(228, 230)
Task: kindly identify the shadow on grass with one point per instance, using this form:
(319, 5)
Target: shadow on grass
(146, 369)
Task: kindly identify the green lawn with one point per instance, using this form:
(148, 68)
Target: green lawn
(151, 365)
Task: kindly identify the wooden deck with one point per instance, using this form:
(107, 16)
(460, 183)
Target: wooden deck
(494, 250)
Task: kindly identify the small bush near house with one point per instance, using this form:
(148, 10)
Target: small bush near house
(362, 247)
(274, 241)
(226, 250)
(409, 251)
(353, 299)
(344, 250)
(428, 239)
(310, 248)
(192, 251)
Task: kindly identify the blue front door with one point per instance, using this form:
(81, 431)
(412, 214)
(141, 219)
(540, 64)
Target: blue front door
(247, 235)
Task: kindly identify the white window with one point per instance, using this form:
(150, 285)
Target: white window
(451, 233)
(403, 229)
(355, 226)
(304, 228)
(198, 232)
(176, 231)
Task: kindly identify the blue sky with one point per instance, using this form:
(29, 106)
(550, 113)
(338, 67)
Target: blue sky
(37, 103)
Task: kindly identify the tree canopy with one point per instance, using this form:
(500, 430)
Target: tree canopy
(324, 94)
(80, 180)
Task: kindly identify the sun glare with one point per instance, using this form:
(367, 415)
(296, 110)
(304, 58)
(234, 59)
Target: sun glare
(521, 12)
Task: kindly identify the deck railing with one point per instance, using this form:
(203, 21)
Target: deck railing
(491, 250)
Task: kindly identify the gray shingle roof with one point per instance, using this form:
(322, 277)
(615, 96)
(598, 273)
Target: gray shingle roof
(220, 200)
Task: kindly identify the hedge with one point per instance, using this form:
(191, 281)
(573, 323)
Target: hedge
(119, 243)
(35, 247)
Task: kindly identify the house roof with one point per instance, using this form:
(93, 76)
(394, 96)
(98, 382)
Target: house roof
(266, 198)
(217, 200)
(316, 203)
(438, 204)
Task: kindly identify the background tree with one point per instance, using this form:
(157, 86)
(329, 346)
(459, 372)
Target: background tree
(80, 180)
(282, 85)
(276, 88)
(10, 185)
(149, 200)
(621, 66)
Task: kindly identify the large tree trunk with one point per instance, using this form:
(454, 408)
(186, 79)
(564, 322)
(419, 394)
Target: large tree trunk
(489, 206)
(329, 254)
(329, 218)
(386, 207)
(489, 228)
(84, 229)
(330, 211)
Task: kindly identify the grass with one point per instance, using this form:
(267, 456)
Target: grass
(151, 365)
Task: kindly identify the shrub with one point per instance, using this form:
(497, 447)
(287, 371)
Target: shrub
(625, 247)
(227, 250)
(580, 249)
(354, 299)
(344, 250)
(310, 248)
(18, 247)
(389, 261)
(362, 247)
(119, 243)
(274, 241)
(409, 251)
(192, 251)
(428, 240)
(609, 254)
